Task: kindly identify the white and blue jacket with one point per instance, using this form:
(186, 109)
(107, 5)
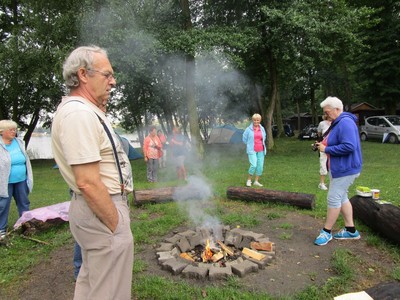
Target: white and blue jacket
(5, 167)
(248, 139)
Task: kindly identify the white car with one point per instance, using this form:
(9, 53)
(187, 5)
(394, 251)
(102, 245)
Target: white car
(385, 128)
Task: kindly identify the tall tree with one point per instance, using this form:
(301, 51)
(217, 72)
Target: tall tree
(190, 84)
(295, 40)
(379, 65)
(33, 35)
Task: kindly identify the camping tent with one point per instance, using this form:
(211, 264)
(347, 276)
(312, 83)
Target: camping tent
(225, 134)
(128, 148)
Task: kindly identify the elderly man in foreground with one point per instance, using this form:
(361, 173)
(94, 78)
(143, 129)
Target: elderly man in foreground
(94, 165)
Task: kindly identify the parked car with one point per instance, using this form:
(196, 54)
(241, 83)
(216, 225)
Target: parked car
(287, 129)
(385, 128)
(310, 132)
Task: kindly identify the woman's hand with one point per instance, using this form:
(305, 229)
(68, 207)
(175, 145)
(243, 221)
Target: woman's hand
(321, 147)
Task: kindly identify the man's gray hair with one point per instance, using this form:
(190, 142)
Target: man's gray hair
(333, 102)
(7, 124)
(81, 57)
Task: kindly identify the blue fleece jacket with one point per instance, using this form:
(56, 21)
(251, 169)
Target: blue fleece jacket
(344, 147)
(248, 139)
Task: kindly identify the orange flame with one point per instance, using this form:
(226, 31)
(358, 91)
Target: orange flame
(207, 253)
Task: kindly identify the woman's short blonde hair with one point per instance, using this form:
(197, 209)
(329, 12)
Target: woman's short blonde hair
(256, 116)
(7, 124)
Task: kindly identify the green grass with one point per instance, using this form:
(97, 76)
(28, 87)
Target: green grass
(274, 215)
(285, 236)
(291, 166)
(153, 287)
(396, 274)
(286, 226)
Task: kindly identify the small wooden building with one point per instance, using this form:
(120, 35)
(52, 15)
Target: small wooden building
(293, 120)
(364, 110)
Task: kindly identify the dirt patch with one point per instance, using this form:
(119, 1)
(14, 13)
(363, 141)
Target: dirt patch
(298, 263)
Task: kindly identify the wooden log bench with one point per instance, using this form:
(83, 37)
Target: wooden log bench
(264, 195)
(382, 218)
(159, 195)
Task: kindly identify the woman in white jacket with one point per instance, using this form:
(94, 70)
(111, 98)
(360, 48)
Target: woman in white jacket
(16, 179)
(255, 137)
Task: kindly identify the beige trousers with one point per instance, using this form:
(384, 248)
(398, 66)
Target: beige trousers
(106, 271)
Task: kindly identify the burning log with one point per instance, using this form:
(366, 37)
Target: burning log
(186, 256)
(264, 195)
(207, 253)
(228, 250)
(382, 218)
(217, 256)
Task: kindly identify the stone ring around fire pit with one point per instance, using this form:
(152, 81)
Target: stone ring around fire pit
(215, 253)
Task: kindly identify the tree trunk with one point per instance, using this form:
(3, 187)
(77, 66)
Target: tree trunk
(192, 107)
(298, 114)
(260, 99)
(273, 73)
(31, 127)
(278, 116)
(190, 94)
(264, 195)
(314, 108)
(382, 218)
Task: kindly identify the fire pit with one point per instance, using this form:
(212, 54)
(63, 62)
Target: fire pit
(215, 253)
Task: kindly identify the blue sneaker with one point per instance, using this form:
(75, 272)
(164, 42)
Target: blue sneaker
(346, 235)
(323, 238)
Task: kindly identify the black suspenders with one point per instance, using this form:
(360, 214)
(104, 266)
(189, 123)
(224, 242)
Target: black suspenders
(121, 179)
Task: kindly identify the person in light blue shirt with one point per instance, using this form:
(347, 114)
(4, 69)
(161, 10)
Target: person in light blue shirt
(16, 179)
(255, 138)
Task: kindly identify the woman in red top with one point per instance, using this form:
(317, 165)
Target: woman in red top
(255, 137)
(152, 151)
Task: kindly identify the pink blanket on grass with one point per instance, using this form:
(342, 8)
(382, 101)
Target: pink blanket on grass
(55, 211)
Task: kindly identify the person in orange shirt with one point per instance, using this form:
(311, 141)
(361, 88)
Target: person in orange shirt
(152, 151)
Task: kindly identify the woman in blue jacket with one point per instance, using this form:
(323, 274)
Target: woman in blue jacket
(342, 146)
(254, 137)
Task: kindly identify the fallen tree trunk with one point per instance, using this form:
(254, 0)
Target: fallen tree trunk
(264, 195)
(167, 194)
(160, 195)
(382, 218)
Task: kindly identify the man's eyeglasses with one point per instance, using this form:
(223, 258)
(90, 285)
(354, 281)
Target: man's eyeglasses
(107, 75)
(12, 129)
